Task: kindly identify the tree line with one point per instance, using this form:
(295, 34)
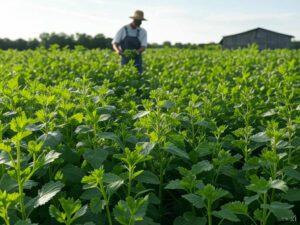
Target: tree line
(87, 41)
(61, 39)
(90, 42)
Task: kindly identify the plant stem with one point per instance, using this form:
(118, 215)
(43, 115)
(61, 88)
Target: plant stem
(209, 212)
(130, 172)
(20, 183)
(161, 181)
(264, 216)
(106, 204)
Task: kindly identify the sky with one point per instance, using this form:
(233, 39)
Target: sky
(185, 21)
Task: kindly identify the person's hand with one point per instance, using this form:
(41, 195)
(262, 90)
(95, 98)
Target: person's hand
(120, 52)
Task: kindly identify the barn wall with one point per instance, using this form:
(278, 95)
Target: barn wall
(264, 39)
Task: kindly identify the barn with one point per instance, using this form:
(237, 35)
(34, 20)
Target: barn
(265, 39)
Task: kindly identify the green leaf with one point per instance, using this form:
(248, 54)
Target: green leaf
(140, 114)
(51, 156)
(226, 214)
(137, 173)
(249, 200)
(147, 147)
(7, 183)
(148, 177)
(292, 195)
(281, 210)
(189, 219)
(113, 187)
(111, 136)
(25, 222)
(236, 207)
(73, 174)
(131, 210)
(211, 193)
(80, 212)
(95, 157)
(174, 184)
(47, 192)
(195, 200)
(104, 117)
(279, 184)
(55, 213)
(5, 159)
(83, 129)
(258, 185)
(90, 194)
(96, 205)
(260, 137)
(293, 173)
(202, 167)
(170, 147)
(51, 139)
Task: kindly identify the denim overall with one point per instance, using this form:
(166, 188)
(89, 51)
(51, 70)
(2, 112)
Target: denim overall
(131, 42)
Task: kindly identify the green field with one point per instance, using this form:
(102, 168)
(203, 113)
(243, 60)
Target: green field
(201, 137)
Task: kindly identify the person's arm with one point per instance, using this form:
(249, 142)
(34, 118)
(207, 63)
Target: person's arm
(117, 48)
(116, 42)
(140, 50)
(143, 42)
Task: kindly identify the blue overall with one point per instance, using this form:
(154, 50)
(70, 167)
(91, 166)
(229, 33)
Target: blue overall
(132, 42)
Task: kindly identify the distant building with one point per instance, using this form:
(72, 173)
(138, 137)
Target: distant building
(265, 39)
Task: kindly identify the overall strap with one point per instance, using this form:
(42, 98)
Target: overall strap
(138, 33)
(126, 30)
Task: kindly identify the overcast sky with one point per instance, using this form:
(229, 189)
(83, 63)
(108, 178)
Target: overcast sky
(194, 21)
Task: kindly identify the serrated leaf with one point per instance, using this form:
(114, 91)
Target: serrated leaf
(51, 139)
(80, 212)
(281, 210)
(73, 174)
(258, 185)
(104, 117)
(173, 149)
(51, 156)
(95, 157)
(201, 167)
(140, 114)
(279, 184)
(293, 173)
(35, 127)
(236, 207)
(83, 129)
(148, 177)
(260, 137)
(96, 205)
(174, 184)
(271, 112)
(113, 187)
(55, 213)
(5, 159)
(226, 214)
(249, 200)
(292, 195)
(195, 200)
(25, 222)
(47, 192)
(111, 136)
(189, 219)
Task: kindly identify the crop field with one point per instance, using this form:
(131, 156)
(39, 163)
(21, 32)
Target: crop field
(201, 137)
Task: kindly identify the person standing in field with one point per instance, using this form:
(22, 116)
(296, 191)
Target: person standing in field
(133, 38)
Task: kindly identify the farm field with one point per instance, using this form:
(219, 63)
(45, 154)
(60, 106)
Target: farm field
(201, 137)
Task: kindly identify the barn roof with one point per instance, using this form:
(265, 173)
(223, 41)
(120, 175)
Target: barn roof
(256, 29)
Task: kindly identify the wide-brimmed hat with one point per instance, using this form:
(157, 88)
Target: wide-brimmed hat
(138, 15)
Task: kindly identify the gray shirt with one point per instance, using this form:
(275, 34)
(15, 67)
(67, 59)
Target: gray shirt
(121, 34)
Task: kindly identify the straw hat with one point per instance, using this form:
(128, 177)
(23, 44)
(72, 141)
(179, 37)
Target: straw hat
(138, 15)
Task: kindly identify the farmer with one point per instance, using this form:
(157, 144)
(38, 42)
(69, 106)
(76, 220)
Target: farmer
(132, 37)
